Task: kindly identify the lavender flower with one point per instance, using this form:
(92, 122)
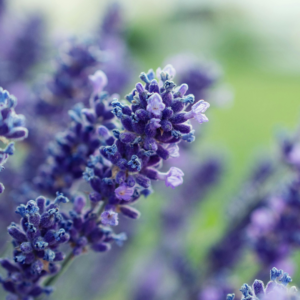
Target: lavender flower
(172, 178)
(155, 105)
(139, 145)
(36, 247)
(99, 81)
(124, 192)
(131, 150)
(11, 126)
(109, 218)
(275, 289)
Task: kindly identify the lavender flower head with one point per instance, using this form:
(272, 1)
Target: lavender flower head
(117, 147)
(11, 124)
(36, 244)
(276, 289)
(148, 133)
(11, 127)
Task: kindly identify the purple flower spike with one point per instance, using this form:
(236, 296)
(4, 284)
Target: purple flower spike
(124, 192)
(109, 217)
(155, 105)
(198, 110)
(99, 81)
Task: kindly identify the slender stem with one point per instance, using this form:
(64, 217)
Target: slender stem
(101, 208)
(66, 263)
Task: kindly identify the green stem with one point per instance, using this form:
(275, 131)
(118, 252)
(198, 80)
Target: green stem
(102, 207)
(66, 263)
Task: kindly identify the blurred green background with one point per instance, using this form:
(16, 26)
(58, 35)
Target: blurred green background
(258, 46)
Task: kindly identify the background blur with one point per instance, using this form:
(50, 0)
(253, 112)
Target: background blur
(257, 44)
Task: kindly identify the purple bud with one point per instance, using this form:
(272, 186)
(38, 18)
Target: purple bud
(181, 90)
(103, 132)
(129, 212)
(140, 88)
(59, 256)
(154, 88)
(101, 247)
(258, 288)
(79, 203)
(9, 266)
(166, 125)
(41, 202)
(50, 237)
(143, 181)
(127, 137)
(16, 233)
(150, 144)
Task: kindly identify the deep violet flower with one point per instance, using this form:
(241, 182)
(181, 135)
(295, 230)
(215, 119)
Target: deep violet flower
(120, 163)
(124, 192)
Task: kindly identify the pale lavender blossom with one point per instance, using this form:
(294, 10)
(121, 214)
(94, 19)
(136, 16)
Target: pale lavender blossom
(124, 192)
(155, 104)
(198, 110)
(168, 69)
(173, 150)
(109, 217)
(172, 178)
(99, 81)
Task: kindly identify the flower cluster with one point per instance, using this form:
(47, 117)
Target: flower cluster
(274, 227)
(276, 289)
(36, 244)
(69, 81)
(11, 127)
(70, 152)
(43, 228)
(86, 229)
(130, 152)
(152, 126)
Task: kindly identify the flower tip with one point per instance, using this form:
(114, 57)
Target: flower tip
(99, 81)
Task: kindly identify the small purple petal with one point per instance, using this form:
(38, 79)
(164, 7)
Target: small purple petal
(124, 192)
(109, 217)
